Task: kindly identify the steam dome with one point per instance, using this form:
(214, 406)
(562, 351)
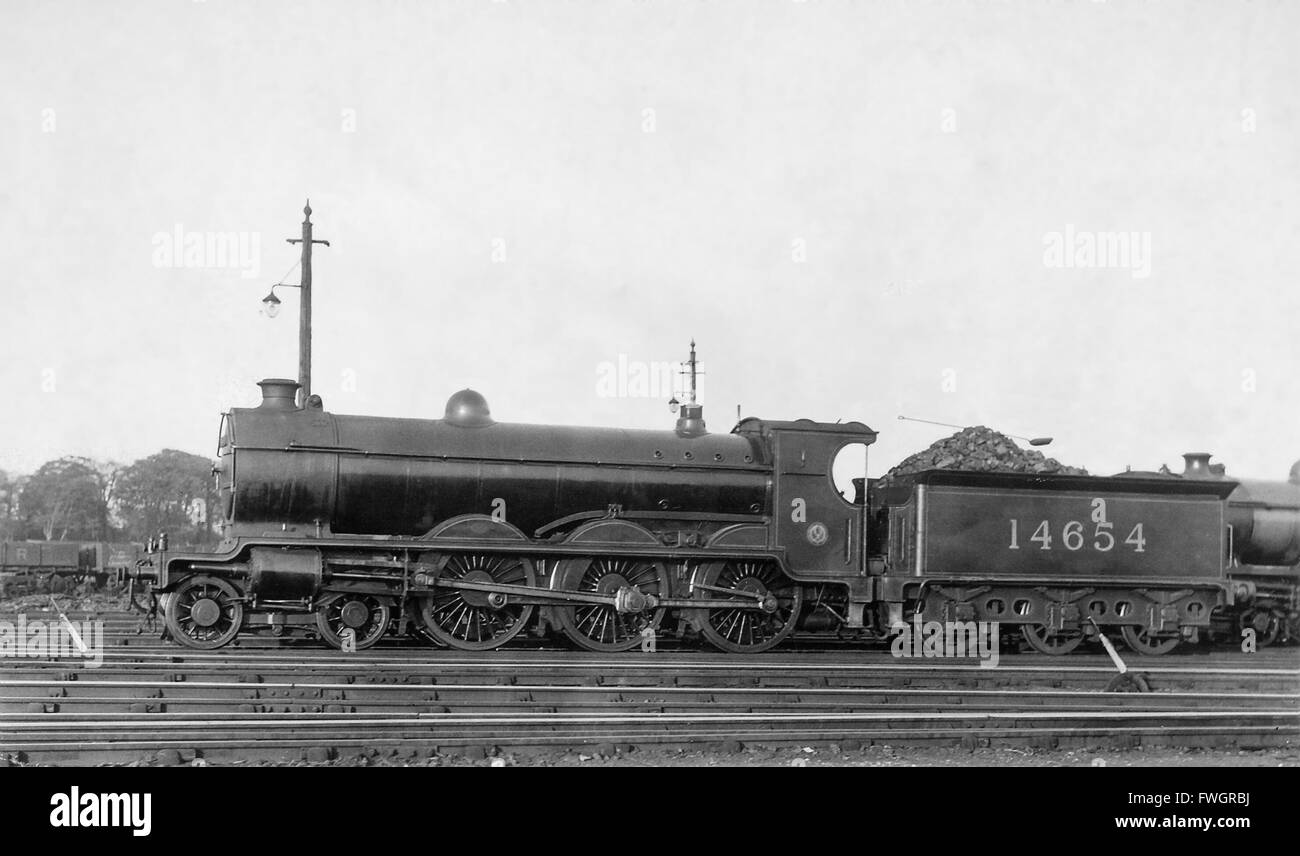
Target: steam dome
(469, 409)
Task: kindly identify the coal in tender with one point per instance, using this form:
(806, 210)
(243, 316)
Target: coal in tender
(982, 450)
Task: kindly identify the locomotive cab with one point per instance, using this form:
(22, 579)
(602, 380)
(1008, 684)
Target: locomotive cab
(820, 528)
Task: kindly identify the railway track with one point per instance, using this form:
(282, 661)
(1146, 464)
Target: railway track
(429, 668)
(235, 736)
(130, 629)
(283, 700)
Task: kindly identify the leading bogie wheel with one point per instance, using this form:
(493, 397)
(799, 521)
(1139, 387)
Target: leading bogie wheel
(204, 612)
(365, 615)
(1266, 626)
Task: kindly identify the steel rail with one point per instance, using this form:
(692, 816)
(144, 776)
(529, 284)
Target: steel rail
(607, 687)
(597, 718)
(656, 662)
(508, 739)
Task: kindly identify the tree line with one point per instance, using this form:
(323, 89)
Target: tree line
(80, 499)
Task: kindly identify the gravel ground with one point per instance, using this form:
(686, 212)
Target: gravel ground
(872, 756)
(81, 599)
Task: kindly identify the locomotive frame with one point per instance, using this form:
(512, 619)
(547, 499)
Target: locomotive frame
(728, 573)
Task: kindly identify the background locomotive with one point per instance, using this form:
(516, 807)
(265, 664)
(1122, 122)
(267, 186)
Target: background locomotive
(1264, 521)
(471, 531)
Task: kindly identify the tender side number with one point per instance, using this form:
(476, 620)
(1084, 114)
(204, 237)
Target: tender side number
(1074, 536)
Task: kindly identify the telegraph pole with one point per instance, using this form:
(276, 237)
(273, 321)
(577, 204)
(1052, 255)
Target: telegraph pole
(304, 311)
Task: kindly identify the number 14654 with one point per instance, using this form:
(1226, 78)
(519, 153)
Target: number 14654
(1074, 536)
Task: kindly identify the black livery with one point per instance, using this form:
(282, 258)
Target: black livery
(467, 531)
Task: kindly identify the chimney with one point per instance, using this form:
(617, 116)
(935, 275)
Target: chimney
(278, 393)
(1198, 466)
(691, 422)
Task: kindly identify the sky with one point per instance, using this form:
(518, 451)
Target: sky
(1075, 219)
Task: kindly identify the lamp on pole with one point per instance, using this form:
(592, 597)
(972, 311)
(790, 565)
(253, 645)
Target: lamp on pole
(272, 304)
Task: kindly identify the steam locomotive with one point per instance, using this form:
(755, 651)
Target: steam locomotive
(467, 532)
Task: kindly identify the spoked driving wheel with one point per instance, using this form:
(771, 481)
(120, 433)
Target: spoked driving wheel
(747, 630)
(365, 615)
(601, 627)
(472, 619)
(1052, 642)
(1140, 640)
(204, 612)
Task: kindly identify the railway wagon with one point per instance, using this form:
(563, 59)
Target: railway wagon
(77, 560)
(110, 559)
(468, 532)
(33, 562)
(43, 557)
(1059, 556)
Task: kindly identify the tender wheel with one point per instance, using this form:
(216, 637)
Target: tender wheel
(598, 627)
(1047, 641)
(747, 631)
(204, 612)
(367, 615)
(1142, 642)
(477, 620)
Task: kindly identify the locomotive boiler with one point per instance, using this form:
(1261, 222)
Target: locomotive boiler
(288, 469)
(467, 531)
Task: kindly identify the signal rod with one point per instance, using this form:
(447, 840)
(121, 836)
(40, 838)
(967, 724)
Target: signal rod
(1036, 441)
(691, 364)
